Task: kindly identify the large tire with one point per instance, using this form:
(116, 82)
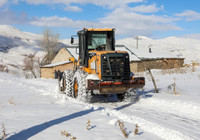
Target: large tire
(121, 97)
(130, 95)
(79, 86)
(61, 82)
(68, 78)
(65, 83)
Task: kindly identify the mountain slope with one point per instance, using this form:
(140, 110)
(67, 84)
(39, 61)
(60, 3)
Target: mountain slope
(14, 46)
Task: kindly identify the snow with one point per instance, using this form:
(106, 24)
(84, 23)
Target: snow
(72, 48)
(34, 109)
(15, 45)
(56, 64)
(10, 31)
(74, 51)
(171, 47)
(143, 53)
(132, 56)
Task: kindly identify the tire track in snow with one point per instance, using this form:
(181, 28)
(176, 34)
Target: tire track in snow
(154, 128)
(172, 119)
(144, 124)
(188, 109)
(174, 122)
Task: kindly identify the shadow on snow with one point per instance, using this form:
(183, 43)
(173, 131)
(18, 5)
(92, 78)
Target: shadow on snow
(29, 132)
(112, 98)
(146, 94)
(140, 94)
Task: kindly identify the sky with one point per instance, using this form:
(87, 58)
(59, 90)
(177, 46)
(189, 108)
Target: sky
(151, 18)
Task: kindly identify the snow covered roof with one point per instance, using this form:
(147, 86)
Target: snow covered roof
(144, 54)
(55, 64)
(155, 53)
(133, 56)
(73, 50)
(160, 48)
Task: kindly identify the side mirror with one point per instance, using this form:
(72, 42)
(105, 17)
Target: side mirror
(72, 40)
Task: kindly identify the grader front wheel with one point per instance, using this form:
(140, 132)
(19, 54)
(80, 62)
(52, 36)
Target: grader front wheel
(79, 86)
(121, 97)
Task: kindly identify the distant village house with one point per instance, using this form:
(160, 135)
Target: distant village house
(59, 63)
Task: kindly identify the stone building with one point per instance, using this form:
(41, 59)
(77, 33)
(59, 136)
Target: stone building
(51, 70)
(141, 60)
(59, 63)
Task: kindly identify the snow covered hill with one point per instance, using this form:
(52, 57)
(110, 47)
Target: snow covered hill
(34, 109)
(14, 46)
(11, 37)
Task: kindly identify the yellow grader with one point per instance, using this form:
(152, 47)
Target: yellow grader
(100, 69)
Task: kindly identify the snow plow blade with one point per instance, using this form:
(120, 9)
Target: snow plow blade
(107, 87)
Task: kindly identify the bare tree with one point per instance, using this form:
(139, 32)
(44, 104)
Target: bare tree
(50, 44)
(31, 65)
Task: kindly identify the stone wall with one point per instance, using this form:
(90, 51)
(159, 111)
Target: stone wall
(49, 72)
(134, 66)
(167, 63)
(68, 66)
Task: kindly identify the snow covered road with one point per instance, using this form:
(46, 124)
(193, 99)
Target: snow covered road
(33, 109)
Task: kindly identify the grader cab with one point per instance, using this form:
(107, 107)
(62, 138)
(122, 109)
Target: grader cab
(100, 69)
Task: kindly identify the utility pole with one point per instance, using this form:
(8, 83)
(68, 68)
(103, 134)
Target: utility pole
(137, 40)
(153, 80)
